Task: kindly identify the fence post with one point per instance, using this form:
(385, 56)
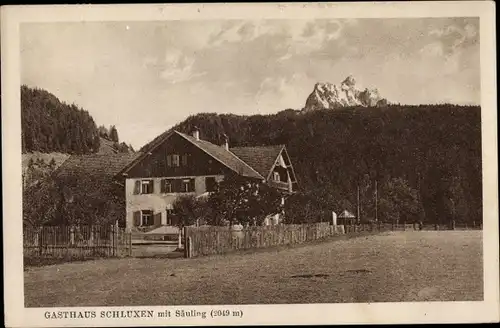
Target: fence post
(72, 235)
(114, 245)
(67, 237)
(109, 240)
(129, 243)
(116, 238)
(91, 235)
(39, 233)
(185, 235)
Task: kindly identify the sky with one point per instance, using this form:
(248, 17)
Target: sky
(145, 77)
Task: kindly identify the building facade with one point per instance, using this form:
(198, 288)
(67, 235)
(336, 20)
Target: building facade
(177, 164)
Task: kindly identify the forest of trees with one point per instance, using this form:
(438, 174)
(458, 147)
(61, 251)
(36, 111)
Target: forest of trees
(49, 125)
(428, 154)
(111, 134)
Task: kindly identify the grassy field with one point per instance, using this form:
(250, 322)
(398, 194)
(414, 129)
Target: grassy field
(391, 267)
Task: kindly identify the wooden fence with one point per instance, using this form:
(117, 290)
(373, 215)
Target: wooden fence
(76, 242)
(427, 227)
(201, 241)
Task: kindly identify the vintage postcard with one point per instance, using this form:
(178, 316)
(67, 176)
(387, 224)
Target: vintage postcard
(264, 164)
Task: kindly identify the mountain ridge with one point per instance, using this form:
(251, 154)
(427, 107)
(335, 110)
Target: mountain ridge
(327, 95)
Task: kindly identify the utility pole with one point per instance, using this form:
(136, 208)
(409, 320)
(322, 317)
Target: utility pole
(376, 202)
(359, 219)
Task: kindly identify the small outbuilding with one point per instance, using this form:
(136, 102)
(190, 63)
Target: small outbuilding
(346, 218)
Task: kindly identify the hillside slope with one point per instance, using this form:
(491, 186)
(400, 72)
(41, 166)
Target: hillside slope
(49, 125)
(436, 148)
(53, 130)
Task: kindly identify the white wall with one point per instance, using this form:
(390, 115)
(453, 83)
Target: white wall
(158, 202)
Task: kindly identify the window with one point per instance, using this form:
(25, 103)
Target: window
(210, 184)
(146, 186)
(170, 217)
(147, 218)
(277, 176)
(167, 186)
(185, 186)
(173, 160)
(177, 185)
(185, 160)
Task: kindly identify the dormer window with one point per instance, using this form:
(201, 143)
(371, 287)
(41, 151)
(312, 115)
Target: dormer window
(277, 176)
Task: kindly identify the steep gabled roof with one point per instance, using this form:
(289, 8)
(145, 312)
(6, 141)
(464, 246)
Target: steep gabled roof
(225, 157)
(98, 165)
(261, 158)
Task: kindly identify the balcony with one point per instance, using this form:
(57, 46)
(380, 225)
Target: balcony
(280, 185)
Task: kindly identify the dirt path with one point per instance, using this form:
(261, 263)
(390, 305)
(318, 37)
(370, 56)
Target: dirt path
(394, 267)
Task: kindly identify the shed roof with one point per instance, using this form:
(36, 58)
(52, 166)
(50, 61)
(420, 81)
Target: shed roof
(346, 215)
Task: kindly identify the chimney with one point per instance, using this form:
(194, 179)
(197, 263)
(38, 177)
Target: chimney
(226, 142)
(196, 133)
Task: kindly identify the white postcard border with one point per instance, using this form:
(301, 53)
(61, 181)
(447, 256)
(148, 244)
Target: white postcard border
(423, 312)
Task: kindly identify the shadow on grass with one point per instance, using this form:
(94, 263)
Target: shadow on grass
(170, 255)
(45, 261)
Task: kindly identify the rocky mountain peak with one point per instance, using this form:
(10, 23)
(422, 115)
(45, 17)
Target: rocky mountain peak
(330, 96)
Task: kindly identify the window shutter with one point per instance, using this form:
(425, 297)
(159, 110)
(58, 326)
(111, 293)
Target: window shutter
(152, 184)
(137, 187)
(176, 185)
(157, 219)
(184, 160)
(137, 218)
(191, 185)
(169, 160)
(210, 184)
(162, 186)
